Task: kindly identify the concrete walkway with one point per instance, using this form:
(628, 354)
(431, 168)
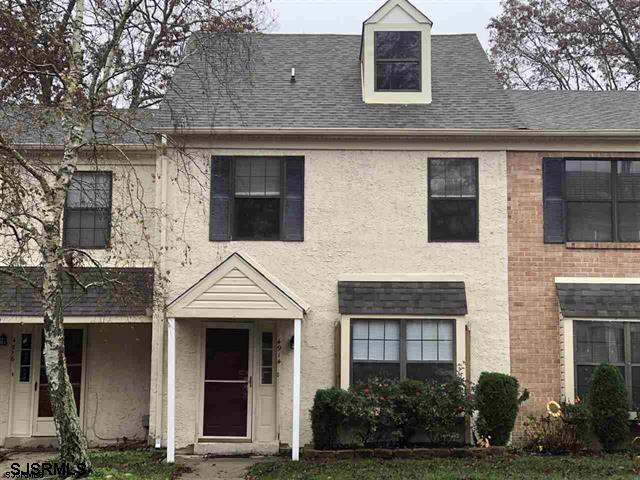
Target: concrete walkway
(202, 468)
(23, 458)
(217, 468)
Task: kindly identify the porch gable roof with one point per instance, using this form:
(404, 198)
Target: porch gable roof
(238, 288)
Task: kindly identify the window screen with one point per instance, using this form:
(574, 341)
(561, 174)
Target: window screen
(429, 349)
(453, 200)
(402, 348)
(604, 342)
(375, 349)
(628, 196)
(257, 198)
(602, 200)
(87, 214)
(397, 57)
(589, 200)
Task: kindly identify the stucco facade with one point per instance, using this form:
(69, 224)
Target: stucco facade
(115, 387)
(365, 212)
(350, 138)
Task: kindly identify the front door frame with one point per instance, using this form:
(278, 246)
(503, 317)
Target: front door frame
(250, 326)
(45, 426)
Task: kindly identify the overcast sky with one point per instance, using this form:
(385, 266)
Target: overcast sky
(346, 16)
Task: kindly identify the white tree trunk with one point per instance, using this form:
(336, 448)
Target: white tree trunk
(73, 443)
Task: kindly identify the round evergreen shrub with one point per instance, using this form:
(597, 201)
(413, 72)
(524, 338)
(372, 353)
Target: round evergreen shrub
(497, 402)
(609, 405)
(325, 417)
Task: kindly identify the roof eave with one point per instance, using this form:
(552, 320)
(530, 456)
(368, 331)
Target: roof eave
(60, 146)
(405, 132)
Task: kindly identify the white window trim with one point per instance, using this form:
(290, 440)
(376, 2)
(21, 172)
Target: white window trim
(567, 360)
(345, 340)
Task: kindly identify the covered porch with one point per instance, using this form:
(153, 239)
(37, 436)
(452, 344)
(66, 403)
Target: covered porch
(233, 363)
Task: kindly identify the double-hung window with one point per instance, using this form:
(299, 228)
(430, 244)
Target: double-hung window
(401, 348)
(592, 200)
(397, 57)
(615, 343)
(257, 198)
(87, 213)
(453, 200)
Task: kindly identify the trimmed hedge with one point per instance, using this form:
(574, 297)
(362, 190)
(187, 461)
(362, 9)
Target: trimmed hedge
(382, 413)
(497, 402)
(330, 410)
(609, 405)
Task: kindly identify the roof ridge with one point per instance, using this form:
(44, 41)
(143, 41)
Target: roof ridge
(320, 34)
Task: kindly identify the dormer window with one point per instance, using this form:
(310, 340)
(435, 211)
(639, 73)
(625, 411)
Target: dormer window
(397, 57)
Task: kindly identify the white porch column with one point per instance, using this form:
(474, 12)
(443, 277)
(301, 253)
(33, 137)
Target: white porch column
(295, 430)
(171, 390)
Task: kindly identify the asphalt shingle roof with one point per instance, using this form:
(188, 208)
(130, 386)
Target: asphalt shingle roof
(212, 90)
(243, 81)
(599, 300)
(577, 110)
(124, 292)
(39, 126)
(416, 298)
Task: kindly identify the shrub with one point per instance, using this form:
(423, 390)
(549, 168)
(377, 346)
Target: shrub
(497, 402)
(383, 413)
(565, 433)
(334, 410)
(609, 407)
(384, 420)
(546, 434)
(578, 417)
(434, 409)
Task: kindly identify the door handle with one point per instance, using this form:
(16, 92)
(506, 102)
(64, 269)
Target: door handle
(250, 381)
(35, 388)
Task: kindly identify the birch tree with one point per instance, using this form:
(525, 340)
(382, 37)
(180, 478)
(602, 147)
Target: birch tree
(73, 64)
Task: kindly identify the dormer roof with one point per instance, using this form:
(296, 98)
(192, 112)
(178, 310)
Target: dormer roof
(398, 11)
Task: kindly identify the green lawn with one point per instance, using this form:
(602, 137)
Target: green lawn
(613, 467)
(131, 465)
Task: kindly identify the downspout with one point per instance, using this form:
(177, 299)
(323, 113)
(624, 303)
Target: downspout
(163, 168)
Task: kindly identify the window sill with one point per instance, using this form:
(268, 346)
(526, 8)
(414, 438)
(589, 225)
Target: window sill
(602, 246)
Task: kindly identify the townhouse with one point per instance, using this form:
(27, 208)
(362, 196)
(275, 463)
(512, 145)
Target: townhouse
(371, 204)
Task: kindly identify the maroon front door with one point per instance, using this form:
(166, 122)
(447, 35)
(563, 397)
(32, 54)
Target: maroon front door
(226, 383)
(73, 354)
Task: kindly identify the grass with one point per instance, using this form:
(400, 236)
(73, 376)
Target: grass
(612, 467)
(132, 465)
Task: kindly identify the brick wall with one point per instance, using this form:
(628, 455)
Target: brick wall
(534, 313)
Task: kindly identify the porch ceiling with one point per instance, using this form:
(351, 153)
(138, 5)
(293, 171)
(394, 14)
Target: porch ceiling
(238, 288)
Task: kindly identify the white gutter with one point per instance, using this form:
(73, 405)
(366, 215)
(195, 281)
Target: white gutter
(60, 146)
(404, 132)
(162, 169)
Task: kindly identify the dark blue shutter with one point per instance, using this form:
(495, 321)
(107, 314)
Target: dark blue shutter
(221, 196)
(293, 211)
(553, 179)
